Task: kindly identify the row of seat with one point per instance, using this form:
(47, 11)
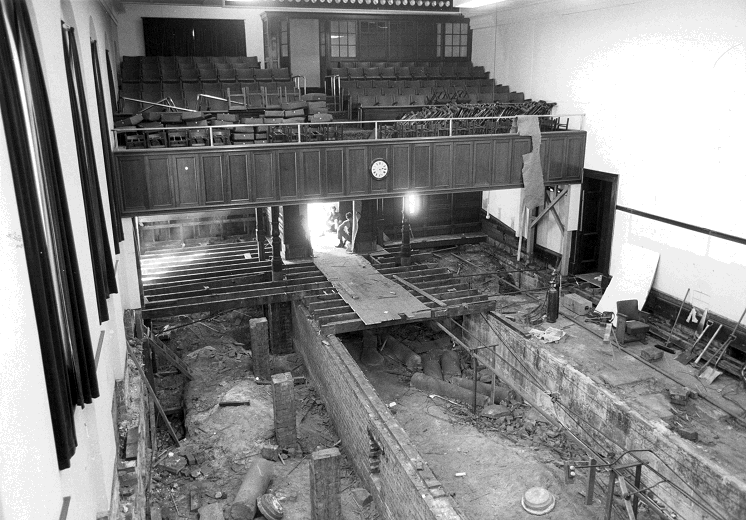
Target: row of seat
(204, 74)
(432, 97)
(404, 73)
(128, 61)
(476, 83)
(194, 96)
(381, 64)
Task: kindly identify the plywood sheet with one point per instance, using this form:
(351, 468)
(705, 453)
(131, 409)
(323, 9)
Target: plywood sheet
(634, 279)
(373, 297)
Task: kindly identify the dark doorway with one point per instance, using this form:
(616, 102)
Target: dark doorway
(593, 238)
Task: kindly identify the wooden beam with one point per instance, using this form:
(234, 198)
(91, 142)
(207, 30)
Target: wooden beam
(418, 290)
(164, 351)
(551, 206)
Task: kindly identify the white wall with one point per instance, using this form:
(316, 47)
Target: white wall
(661, 84)
(132, 43)
(31, 486)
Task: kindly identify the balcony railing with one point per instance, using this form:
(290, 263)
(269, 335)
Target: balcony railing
(275, 132)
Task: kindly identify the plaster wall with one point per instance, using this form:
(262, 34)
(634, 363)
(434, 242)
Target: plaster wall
(639, 72)
(31, 485)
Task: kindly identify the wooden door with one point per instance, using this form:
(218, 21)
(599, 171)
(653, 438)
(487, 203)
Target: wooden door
(593, 238)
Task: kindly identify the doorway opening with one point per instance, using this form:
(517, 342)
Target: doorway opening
(592, 251)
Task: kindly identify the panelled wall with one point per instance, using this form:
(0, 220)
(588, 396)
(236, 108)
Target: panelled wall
(614, 62)
(172, 180)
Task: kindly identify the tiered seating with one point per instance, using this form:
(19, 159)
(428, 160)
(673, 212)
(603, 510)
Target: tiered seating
(407, 70)
(183, 78)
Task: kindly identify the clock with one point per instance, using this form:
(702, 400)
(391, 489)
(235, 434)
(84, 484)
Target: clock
(379, 168)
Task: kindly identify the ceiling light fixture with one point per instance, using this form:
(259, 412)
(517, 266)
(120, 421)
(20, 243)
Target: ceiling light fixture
(470, 4)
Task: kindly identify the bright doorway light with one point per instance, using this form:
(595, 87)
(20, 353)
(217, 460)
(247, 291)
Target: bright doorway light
(318, 226)
(412, 203)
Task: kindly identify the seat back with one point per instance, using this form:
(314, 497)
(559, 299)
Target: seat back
(628, 308)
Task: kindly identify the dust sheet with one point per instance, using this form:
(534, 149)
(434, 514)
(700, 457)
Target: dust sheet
(533, 179)
(634, 279)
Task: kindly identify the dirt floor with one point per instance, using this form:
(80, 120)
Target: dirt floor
(486, 463)
(221, 441)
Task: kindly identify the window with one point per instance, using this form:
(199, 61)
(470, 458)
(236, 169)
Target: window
(453, 39)
(98, 238)
(59, 305)
(343, 36)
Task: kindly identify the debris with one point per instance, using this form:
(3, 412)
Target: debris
(133, 438)
(686, 433)
(551, 335)
(238, 395)
(270, 452)
(678, 395)
(495, 410)
(255, 483)
(194, 501)
(433, 386)
(361, 496)
(460, 474)
(212, 511)
(651, 354)
(402, 353)
(393, 407)
(270, 507)
(537, 501)
(191, 459)
(431, 367)
(450, 364)
(174, 463)
(155, 512)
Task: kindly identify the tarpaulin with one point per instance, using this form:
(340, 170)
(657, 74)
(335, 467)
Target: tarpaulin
(533, 179)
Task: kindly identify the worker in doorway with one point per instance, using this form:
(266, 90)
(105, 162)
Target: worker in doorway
(343, 232)
(332, 219)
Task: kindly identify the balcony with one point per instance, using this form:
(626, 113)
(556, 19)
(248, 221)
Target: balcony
(309, 162)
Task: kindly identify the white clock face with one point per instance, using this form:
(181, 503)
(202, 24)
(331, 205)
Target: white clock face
(379, 169)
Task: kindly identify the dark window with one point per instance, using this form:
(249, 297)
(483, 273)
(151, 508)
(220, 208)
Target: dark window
(193, 37)
(57, 292)
(98, 238)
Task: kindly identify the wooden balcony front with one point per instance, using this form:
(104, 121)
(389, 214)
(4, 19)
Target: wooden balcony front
(167, 180)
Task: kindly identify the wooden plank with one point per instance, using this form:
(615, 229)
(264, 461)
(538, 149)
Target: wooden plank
(164, 351)
(374, 298)
(418, 290)
(154, 397)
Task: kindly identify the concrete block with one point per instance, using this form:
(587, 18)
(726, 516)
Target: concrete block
(212, 511)
(361, 496)
(271, 452)
(651, 354)
(283, 402)
(576, 303)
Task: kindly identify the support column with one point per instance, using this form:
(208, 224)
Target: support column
(280, 328)
(365, 240)
(284, 409)
(277, 264)
(326, 501)
(261, 232)
(295, 236)
(259, 328)
(406, 247)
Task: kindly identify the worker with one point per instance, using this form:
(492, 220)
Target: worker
(332, 219)
(343, 232)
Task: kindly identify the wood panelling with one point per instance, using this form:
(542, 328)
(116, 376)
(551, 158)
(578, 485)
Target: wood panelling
(463, 174)
(133, 193)
(238, 177)
(288, 164)
(422, 166)
(312, 180)
(157, 181)
(442, 167)
(212, 179)
(187, 181)
(358, 179)
(400, 167)
(483, 163)
(264, 175)
(334, 171)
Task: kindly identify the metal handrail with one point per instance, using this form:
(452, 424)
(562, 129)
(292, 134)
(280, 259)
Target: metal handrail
(445, 123)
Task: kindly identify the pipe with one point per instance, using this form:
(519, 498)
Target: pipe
(404, 354)
(431, 385)
(255, 484)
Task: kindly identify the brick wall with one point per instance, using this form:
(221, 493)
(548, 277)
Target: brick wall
(402, 485)
(610, 417)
